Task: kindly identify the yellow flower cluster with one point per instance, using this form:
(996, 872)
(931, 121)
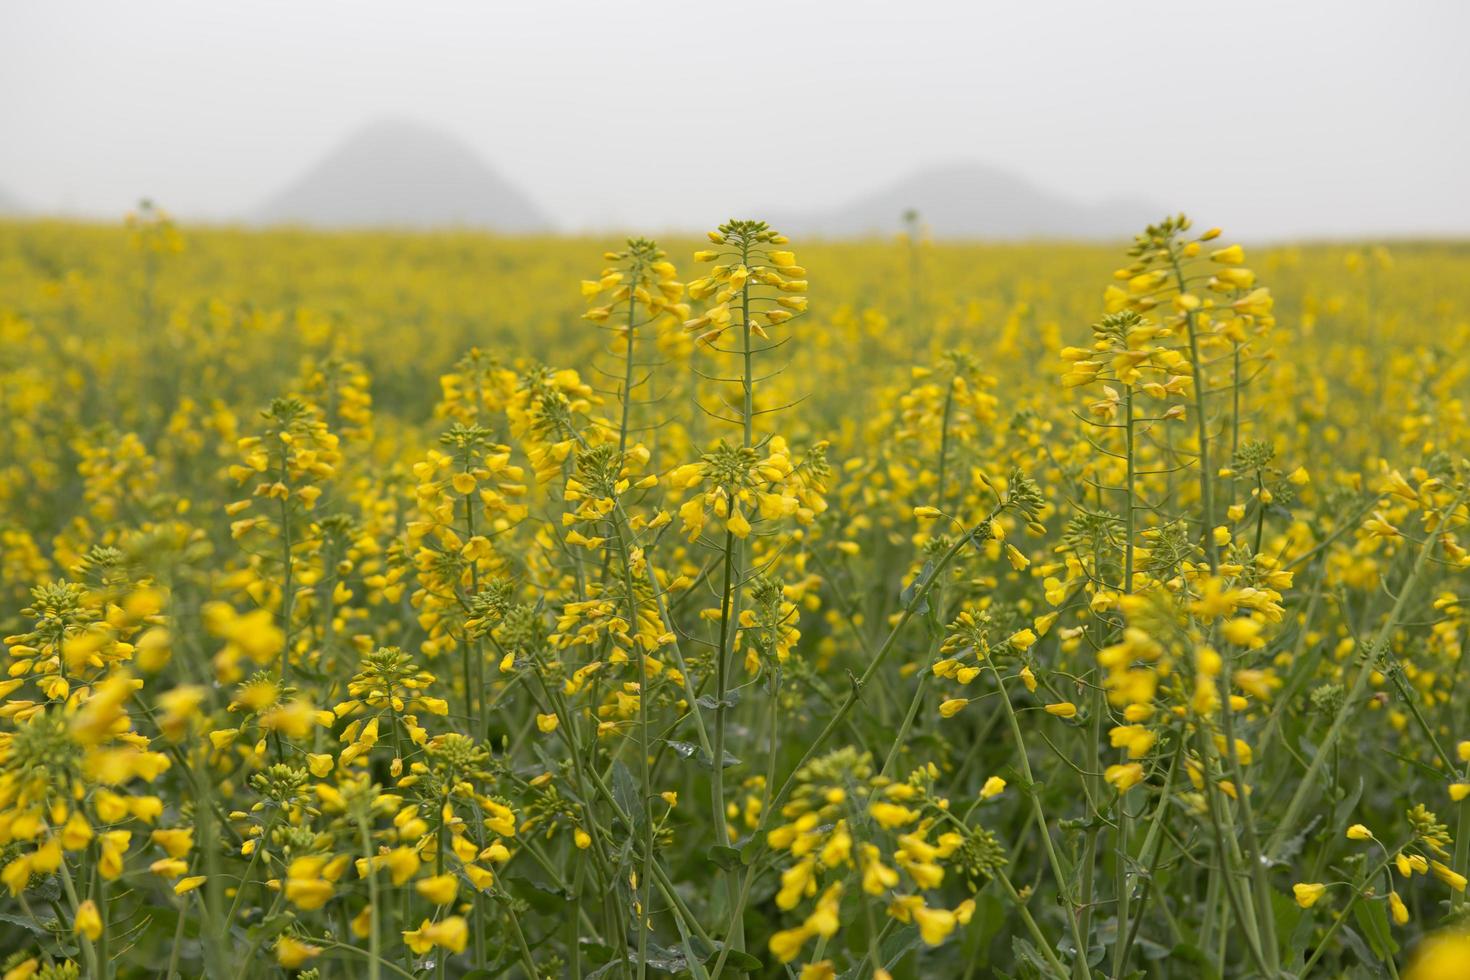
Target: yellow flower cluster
(420, 614)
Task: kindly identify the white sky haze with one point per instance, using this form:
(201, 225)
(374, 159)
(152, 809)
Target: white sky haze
(1272, 117)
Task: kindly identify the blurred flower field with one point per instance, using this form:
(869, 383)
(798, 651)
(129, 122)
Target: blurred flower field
(445, 605)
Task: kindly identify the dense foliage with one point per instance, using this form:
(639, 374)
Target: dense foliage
(374, 604)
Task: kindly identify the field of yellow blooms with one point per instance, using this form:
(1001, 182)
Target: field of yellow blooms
(385, 605)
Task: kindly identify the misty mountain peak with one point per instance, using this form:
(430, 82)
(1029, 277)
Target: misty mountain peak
(970, 199)
(404, 174)
(10, 205)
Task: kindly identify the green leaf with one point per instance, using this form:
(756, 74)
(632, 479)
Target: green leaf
(1198, 961)
(597, 953)
(985, 924)
(625, 791)
(24, 923)
(727, 858)
(1150, 950)
(912, 589)
(1355, 943)
(605, 970)
(1027, 956)
(665, 959)
(735, 960)
(897, 946)
(1293, 845)
(1286, 913)
(894, 948)
(543, 898)
(270, 927)
(47, 890)
(1372, 918)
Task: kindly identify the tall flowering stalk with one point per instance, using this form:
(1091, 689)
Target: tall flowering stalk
(755, 280)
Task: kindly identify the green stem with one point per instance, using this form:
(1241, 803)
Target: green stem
(1206, 477)
(1043, 946)
(287, 597)
(1260, 886)
(374, 939)
(1462, 850)
(89, 952)
(1121, 889)
(527, 960)
(628, 359)
(249, 867)
(646, 875)
(722, 708)
(173, 954)
(1225, 850)
(908, 719)
(944, 444)
(1149, 856)
(1038, 814)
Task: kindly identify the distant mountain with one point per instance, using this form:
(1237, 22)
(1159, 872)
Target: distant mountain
(10, 205)
(401, 174)
(974, 200)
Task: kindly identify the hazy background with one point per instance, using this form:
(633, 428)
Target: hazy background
(1278, 119)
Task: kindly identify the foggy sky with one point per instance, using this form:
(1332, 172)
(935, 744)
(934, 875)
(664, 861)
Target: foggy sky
(1272, 117)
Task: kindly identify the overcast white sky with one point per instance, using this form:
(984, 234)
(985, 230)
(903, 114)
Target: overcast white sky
(1274, 117)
